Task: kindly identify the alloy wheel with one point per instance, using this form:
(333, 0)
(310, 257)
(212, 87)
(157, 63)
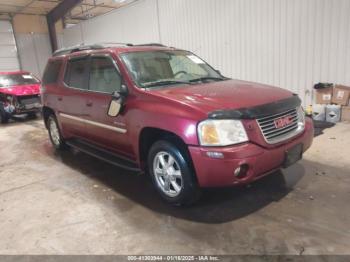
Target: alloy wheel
(54, 132)
(167, 174)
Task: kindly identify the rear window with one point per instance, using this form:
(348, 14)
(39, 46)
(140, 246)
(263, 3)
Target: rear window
(17, 80)
(75, 75)
(52, 71)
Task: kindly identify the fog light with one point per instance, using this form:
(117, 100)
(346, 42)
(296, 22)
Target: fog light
(241, 171)
(237, 171)
(215, 155)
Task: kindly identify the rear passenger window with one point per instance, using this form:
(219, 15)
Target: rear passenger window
(75, 75)
(52, 71)
(104, 76)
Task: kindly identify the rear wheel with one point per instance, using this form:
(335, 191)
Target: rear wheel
(171, 173)
(4, 117)
(54, 133)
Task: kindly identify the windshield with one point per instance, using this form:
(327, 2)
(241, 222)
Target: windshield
(160, 68)
(17, 80)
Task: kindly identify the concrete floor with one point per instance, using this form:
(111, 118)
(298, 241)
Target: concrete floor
(70, 203)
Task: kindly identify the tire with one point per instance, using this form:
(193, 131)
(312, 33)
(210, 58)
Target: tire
(4, 117)
(174, 179)
(54, 133)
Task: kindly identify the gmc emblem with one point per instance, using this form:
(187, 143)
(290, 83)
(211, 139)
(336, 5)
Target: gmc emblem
(283, 121)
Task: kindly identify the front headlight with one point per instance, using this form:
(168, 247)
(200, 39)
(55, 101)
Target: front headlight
(221, 132)
(301, 118)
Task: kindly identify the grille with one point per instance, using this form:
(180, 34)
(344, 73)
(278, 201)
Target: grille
(29, 100)
(273, 134)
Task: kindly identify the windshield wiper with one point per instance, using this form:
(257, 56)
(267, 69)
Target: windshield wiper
(164, 82)
(207, 78)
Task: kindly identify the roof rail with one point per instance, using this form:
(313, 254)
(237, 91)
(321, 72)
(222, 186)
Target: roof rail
(151, 44)
(82, 47)
(107, 44)
(76, 48)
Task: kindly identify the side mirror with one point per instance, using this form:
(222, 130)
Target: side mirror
(114, 108)
(117, 103)
(123, 90)
(218, 71)
(122, 93)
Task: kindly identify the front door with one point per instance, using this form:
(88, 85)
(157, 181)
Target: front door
(106, 131)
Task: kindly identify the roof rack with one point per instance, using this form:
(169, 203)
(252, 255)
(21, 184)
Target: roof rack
(151, 44)
(83, 47)
(76, 48)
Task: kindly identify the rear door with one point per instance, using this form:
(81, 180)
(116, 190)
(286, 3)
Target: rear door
(73, 95)
(106, 131)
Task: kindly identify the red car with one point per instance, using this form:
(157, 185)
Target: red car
(167, 112)
(19, 94)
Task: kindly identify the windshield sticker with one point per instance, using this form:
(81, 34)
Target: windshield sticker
(196, 59)
(27, 76)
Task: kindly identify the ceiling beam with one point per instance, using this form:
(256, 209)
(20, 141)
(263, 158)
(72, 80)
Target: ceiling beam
(86, 4)
(61, 9)
(17, 6)
(85, 12)
(19, 10)
(56, 14)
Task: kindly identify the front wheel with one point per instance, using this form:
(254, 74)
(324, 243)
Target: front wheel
(55, 134)
(172, 175)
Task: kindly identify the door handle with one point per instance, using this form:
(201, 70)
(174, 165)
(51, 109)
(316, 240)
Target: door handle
(89, 103)
(59, 98)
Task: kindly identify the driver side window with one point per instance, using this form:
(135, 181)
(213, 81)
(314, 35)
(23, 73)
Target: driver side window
(104, 77)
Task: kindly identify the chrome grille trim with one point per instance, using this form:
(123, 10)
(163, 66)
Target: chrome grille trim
(273, 135)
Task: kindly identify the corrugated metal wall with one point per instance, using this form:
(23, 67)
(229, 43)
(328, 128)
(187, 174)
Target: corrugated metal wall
(288, 43)
(8, 50)
(34, 50)
(135, 23)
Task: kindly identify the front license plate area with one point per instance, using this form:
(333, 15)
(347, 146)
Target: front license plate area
(31, 106)
(293, 155)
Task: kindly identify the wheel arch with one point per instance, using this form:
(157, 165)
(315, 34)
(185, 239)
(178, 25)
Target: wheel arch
(149, 135)
(47, 111)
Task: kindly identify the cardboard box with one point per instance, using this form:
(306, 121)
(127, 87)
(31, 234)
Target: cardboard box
(341, 95)
(345, 113)
(324, 95)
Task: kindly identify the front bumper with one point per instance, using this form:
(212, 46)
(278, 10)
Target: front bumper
(212, 172)
(25, 110)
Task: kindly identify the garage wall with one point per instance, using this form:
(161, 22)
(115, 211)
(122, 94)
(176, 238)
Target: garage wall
(73, 35)
(33, 42)
(134, 23)
(34, 50)
(291, 44)
(8, 50)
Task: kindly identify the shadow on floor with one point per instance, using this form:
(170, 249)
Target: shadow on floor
(23, 119)
(216, 205)
(320, 126)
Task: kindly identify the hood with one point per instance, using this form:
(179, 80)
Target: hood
(22, 90)
(230, 94)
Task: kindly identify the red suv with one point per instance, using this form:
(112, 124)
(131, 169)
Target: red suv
(19, 94)
(167, 112)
